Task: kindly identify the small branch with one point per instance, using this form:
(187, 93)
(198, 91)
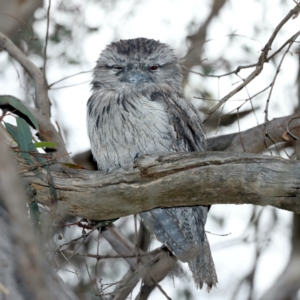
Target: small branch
(292, 40)
(262, 59)
(236, 71)
(152, 269)
(193, 57)
(67, 77)
(46, 40)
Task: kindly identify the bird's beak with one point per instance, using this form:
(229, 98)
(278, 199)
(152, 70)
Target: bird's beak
(136, 77)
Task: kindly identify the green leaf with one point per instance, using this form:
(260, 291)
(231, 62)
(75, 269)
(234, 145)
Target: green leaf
(22, 135)
(45, 145)
(13, 131)
(7, 100)
(25, 139)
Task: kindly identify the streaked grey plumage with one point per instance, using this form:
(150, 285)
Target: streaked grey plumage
(137, 108)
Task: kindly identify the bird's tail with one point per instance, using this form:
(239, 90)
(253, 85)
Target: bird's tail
(203, 268)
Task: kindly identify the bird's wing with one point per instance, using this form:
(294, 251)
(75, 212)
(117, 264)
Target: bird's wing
(184, 118)
(181, 229)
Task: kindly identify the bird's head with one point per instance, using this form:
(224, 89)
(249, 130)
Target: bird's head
(137, 64)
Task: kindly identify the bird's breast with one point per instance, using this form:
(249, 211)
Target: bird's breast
(122, 128)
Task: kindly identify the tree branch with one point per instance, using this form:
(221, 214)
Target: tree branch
(175, 179)
(152, 268)
(170, 180)
(193, 57)
(41, 96)
(47, 130)
(253, 139)
(260, 63)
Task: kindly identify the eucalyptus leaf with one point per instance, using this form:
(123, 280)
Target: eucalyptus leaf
(7, 100)
(45, 145)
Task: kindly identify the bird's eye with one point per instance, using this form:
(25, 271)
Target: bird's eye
(153, 68)
(118, 67)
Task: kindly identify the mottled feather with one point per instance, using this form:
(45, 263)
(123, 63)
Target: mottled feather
(137, 108)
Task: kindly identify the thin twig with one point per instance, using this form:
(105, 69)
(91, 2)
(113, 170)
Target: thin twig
(236, 71)
(70, 85)
(260, 63)
(46, 40)
(67, 77)
(295, 36)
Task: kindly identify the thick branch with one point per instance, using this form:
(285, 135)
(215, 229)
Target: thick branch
(254, 139)
(169, 180)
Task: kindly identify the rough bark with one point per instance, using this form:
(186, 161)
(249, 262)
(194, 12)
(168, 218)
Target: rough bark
(172, 180)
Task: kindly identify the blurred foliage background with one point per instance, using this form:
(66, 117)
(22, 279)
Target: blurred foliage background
(211, 38)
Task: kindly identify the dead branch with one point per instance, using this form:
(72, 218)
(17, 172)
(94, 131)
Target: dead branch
(260, 63)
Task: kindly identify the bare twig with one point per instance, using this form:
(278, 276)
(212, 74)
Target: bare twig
(70, 85)
(19, 21)
(46, 41)
(292, 40)
(151, 269)
(67, 77)
(236, 71)
(259, 67)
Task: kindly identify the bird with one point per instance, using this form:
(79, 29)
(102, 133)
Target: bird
(137, 108)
